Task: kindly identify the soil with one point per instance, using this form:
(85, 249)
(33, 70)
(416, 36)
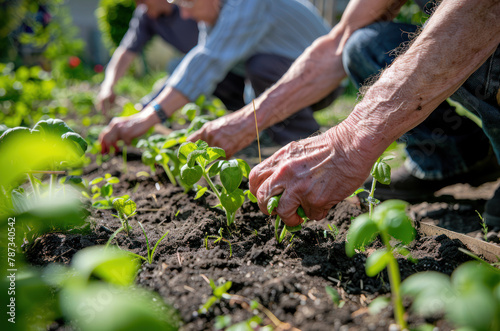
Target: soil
(289, 279)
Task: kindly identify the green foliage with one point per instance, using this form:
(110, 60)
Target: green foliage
(200, 112)
(273, 204)
(412, 14)
(102, 192)
(158, 149)
(113, 17)
(218, 239)
(389, 220)
(470, 298)
(97, 293)
(217, 293)
(151, 252)
(199, 162)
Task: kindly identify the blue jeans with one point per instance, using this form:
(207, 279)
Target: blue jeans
(445, 144)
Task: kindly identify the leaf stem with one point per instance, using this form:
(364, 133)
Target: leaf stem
(395, 281)
(371, 197)
(169, 173)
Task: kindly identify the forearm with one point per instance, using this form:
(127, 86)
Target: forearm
(170, 100)
(318, 71)
(457, 39)
(117, 66)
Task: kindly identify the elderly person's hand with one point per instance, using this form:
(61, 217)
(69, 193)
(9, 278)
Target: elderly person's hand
(231, 132)
(315, 173)
(127, 128)
(105, 99)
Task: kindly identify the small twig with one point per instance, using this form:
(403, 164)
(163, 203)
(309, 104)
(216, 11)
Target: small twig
(257, 129)
(179, 258)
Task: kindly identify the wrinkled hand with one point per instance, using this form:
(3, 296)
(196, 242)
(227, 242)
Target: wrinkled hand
(105, 99)
(231, 132)
(126, 129)
(314, 173)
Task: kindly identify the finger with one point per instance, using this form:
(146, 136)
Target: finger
(194, 137)
(266, 192)
(287, 208)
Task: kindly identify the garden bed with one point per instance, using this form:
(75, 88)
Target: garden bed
(289, 279)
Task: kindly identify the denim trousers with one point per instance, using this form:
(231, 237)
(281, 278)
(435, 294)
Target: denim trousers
(445, 144)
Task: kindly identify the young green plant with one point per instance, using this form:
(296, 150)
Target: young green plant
(271, 205)
(199, 162)
(389, 220)
(470, 298)
(126, 208)
(218, 239)
(102, 191)
(157, 149)
(151, 252)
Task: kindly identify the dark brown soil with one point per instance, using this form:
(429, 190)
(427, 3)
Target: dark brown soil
(289, 278)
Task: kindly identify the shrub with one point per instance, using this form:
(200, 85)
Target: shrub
(113, 17)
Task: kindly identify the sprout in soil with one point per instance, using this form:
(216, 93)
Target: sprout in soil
(271, 205)
(126, 208)
(389, 220)
(151, 252)
(218, 239)
(199, 162)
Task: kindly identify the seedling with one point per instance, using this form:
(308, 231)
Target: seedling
(271, 205)
(218, 239)
(102, 189)
(332, 230)
(389, 220)
(334, 295)
(157, 149)
(484, 226)
(151, 252)
(126, 208)
(470, 298)
(217, 294)
(381, 172)
(199, 162)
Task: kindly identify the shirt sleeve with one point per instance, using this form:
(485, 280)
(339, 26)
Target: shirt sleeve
(239, 28)
(139, 31)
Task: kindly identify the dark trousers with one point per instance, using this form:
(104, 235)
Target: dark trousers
(445, 144)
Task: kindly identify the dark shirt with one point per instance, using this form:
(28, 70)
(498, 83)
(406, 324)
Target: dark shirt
(180, 33)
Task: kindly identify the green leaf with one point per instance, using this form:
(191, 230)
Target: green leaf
(376, 306)
(381, 171)
(250, 196)
(191, 175)
(230, 175)
(102, 204)
(195, 156)
(113, 180)
(377, 262)
(391, 217)
(185, 149)
(214, 153)
(232, 201)
(200, 192)
(273, 203)
(292, 229)
(245, 168)
(333, 294)
(361, 232)
(107, 190)
(148, 158)
(215, 168)
(77, 139)
(126, 207)
(112, 265)
(52, 126)
(221, 289)
(96, 180)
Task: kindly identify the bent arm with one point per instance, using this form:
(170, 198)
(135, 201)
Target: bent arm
(117, 66)
(319, 70)
(457, 39)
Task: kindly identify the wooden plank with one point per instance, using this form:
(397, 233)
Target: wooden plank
(483, 249)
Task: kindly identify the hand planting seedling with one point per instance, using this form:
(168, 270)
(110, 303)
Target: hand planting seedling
(470, 298)
(271, 205)
(389, 220)
(126, 208)
(199, 162)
